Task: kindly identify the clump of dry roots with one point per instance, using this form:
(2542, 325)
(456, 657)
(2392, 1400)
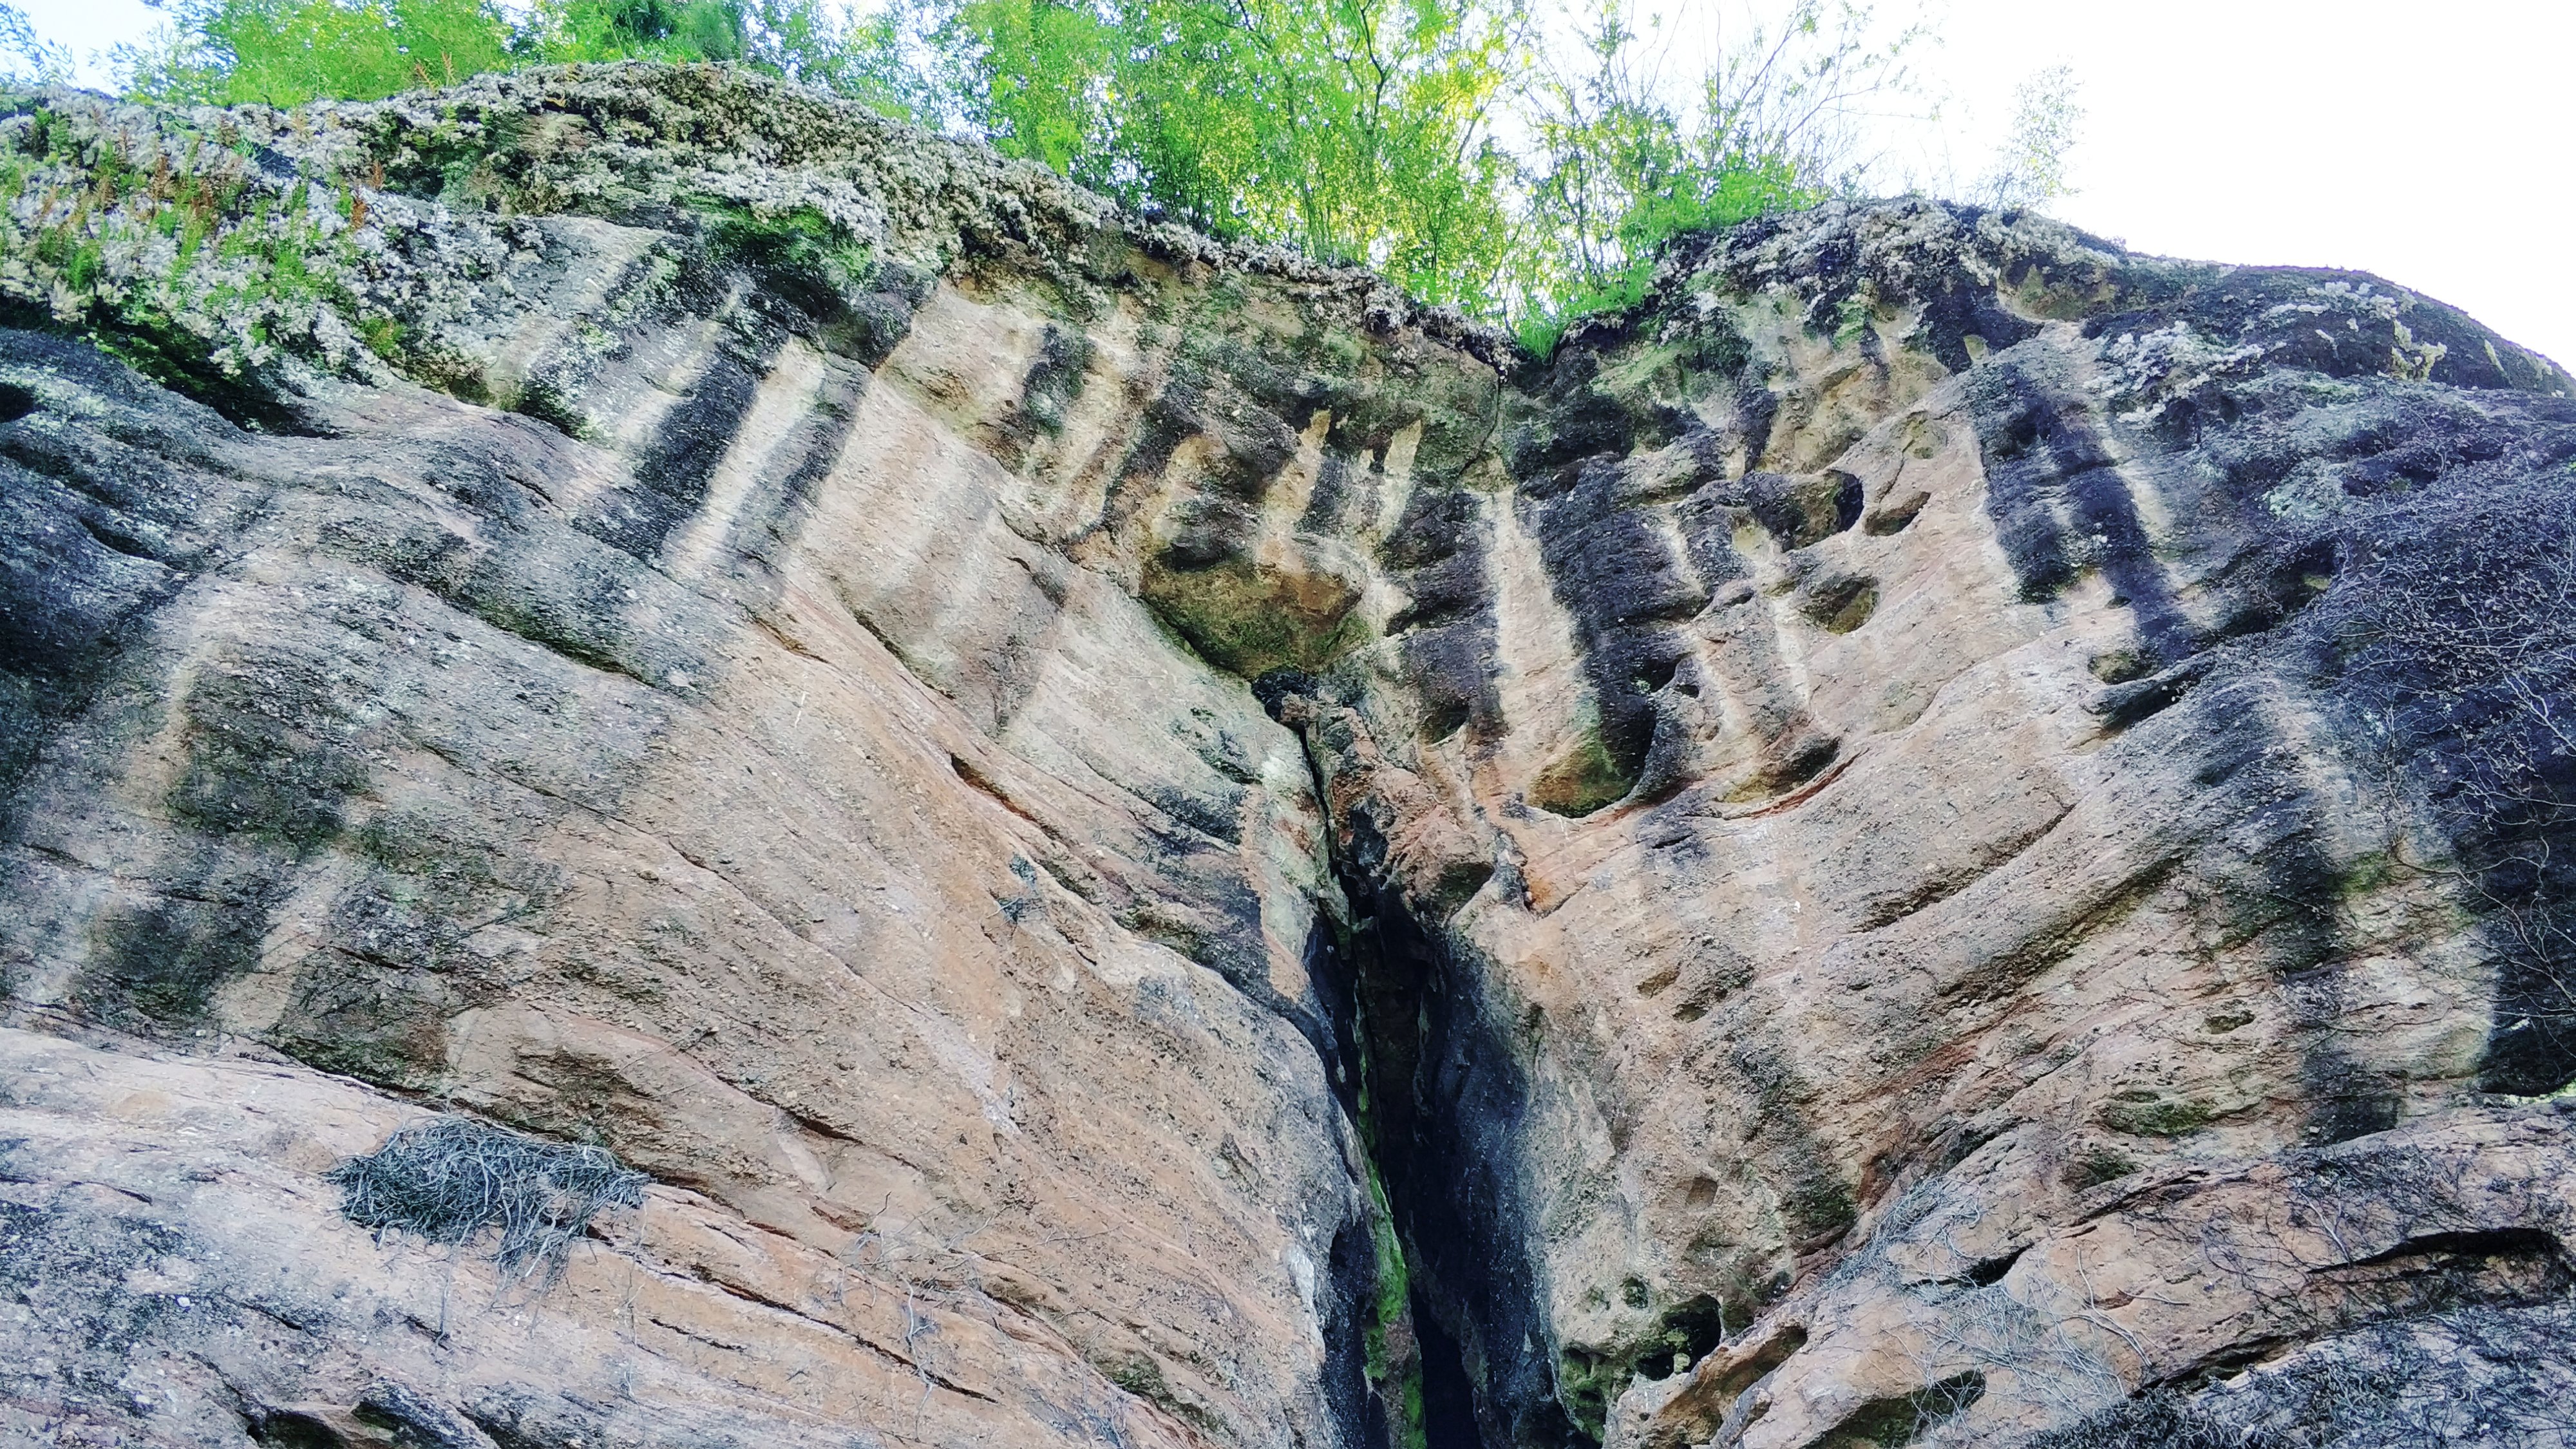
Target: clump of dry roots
(450, 1178)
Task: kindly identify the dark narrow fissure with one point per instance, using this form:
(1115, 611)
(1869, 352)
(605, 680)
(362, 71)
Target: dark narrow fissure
(1454, 1338)
(1448, 1401)
(1445, 1101)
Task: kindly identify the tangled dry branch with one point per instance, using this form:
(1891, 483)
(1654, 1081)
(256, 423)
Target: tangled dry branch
(2453, 630)
(2467, 1378)
(448, 1179)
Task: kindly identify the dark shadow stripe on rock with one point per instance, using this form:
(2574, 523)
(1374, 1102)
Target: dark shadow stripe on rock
(672, 475)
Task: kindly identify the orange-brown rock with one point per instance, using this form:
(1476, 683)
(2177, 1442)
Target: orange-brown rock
(1941, 834)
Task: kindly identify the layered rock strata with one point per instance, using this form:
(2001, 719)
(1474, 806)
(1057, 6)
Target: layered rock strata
(1943, 834)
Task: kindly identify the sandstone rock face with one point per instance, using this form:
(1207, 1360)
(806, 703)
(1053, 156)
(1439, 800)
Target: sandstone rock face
(1945, 834)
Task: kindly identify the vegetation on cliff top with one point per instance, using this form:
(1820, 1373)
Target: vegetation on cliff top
(1522, 159)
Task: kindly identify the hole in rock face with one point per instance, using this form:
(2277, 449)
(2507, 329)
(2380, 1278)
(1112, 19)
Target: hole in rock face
(294, 1429)
(1274, 688)
(1848, 494)
(1992, 1270)
(2017, 437)
(1654, 674)
(1580, 780)
(15, 402)
(1697, 1326)
(1892, 517)
(1805, 762)
(1906, 1418)
(2119, 666)
(1841, 604)
(1443, 719)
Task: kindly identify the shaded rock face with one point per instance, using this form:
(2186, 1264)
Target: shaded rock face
(1946, 834)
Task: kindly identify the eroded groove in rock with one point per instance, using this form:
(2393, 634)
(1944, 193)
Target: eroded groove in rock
(1942, 833)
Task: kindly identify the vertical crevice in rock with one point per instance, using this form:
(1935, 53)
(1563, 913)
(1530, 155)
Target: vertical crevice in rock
(1457, 1343)
(1454, 1339)
(1373, 1365)
(1356, 1392)
(1448, 1399)
(1446, 1099)
(1370, 1382)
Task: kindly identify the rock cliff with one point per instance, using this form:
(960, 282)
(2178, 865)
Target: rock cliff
(1943, 834)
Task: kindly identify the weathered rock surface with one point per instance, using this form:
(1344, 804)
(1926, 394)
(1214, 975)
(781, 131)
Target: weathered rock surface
(1946, 834)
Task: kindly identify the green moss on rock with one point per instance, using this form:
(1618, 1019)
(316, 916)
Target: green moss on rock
(1584, 778)
(2144, 1113)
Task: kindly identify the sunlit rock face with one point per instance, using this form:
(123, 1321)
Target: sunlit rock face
(1944, 834)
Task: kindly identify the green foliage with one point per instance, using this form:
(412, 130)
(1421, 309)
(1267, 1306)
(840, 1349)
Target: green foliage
(1620, 169)
(1434, 141)
(2030, 167)
(1369, 131)
(800, 255)
(804, 40)
(674, 30)
(1041, 79)
(1360, 131)
(1694, 203)
(27, 59)
(288, 52)
(90, 207)
(801, 240)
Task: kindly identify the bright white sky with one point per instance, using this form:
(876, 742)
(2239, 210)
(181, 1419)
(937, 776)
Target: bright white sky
(2432, 144)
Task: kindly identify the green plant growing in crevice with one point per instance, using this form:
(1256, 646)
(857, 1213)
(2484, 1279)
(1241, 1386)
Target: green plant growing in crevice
(383, 336)
(189, 252)
(1852, 317)
(1398, 1380)
(800, 251)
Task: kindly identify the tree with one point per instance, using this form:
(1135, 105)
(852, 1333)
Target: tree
(1357, 130)
(1435, 141)
(287, 52)
(27, 59)
(2030, 166)
(1619, 168)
